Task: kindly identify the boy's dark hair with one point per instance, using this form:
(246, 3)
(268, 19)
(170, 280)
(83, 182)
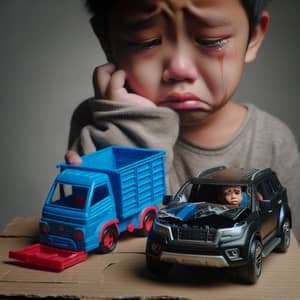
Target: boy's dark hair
(254, 8)
(100, 10)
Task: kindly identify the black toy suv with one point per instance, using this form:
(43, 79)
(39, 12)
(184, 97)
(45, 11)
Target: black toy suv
(199, 227)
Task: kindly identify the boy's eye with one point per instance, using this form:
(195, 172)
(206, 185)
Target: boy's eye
(145, 45)
(211, 43)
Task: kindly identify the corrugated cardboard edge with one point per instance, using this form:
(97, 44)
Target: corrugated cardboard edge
(22, 227)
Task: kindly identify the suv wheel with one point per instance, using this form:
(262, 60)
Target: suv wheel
(285, 237)
(252, 271)
(157, 267)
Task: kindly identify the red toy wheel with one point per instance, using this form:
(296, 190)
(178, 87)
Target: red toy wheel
(109, 240)
(147, 223)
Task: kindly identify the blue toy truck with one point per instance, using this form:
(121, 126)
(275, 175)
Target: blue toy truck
(114, 190)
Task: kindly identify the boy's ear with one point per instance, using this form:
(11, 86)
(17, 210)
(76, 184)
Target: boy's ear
(102, 36)
(257, 37)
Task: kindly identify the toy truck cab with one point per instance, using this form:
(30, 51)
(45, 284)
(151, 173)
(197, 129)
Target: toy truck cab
(78, 206)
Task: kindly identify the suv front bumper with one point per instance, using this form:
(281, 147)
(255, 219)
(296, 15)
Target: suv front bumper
(217, 261)
(197, 253)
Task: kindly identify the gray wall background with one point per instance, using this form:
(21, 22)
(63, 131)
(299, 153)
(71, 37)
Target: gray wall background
(48, 53)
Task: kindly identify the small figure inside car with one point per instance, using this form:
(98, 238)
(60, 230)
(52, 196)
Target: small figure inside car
(232, 195)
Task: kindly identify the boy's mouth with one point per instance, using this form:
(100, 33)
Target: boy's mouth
(182, 101)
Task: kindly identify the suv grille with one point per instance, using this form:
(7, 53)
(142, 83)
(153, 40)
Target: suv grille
(195, 233)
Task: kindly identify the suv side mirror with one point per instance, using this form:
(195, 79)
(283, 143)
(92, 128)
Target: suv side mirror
(266, 206)
(167, 199)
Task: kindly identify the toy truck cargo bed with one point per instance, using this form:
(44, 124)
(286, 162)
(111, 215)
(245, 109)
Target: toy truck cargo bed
(114, 159)
(137, 175)
(47, 257)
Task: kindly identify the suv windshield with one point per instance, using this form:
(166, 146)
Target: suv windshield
(224, 194)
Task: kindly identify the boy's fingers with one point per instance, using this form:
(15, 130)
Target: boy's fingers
(116, 85)
(73, 158)
(109, 84)
(101, 78)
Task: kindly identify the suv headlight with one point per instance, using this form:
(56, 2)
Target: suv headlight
(163, 230)
(233, 233)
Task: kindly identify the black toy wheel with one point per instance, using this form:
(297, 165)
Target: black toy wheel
(109, 240)
(285, 237)
(252, 271)
(157, 267)
(147, 223)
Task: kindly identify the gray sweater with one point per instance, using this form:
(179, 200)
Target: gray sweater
(262, 141)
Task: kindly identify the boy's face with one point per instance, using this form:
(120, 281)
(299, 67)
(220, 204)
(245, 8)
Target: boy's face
(187, 55)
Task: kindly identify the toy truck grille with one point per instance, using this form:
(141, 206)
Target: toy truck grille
(61, 230)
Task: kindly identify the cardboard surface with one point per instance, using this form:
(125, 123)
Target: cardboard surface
(123, 274)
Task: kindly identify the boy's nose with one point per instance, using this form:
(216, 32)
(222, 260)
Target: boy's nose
(179, 67)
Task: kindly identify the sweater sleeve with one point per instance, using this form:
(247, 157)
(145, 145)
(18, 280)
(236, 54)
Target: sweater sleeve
(115, 123)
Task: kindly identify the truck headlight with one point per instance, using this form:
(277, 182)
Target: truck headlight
(44, 228)
(78, 234)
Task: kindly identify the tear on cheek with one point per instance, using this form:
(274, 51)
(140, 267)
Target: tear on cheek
(220, 58)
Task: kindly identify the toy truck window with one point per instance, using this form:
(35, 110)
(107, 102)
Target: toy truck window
(100, 193)
(67, 195)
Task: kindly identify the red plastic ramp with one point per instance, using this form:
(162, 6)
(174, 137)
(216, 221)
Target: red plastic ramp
(49, 258)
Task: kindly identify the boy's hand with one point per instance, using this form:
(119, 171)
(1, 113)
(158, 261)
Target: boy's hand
(73, 158)
(109, 83)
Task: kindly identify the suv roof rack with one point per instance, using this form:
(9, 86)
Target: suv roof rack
(211, 170)
(260, 173)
